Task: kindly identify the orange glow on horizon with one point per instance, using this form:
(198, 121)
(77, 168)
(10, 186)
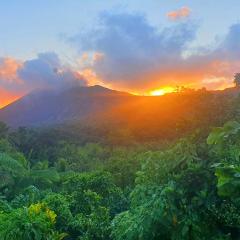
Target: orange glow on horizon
(7, 98)
(161, 91)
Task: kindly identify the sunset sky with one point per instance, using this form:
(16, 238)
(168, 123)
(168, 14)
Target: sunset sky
(131, 45)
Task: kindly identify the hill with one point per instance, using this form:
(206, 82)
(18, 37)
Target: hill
(145, 117)
(49, 107)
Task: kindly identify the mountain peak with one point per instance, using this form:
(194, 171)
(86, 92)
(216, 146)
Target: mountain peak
(97, 90)
(51, 106)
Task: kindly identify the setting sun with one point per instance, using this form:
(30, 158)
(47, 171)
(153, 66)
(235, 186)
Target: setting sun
(161, 91)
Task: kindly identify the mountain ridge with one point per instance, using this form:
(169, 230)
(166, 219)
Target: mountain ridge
(50, 106)
(97, 103)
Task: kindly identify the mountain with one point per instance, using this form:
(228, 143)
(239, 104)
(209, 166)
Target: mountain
(48, 106)
(144, 116)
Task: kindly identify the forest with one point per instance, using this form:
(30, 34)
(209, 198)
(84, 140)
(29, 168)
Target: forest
(86, 182)
(120, 120)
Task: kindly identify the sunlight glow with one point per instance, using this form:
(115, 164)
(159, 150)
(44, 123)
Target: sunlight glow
(161, 91)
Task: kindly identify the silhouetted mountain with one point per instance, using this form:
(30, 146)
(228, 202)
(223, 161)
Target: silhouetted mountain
(48, 106)
(143, 115)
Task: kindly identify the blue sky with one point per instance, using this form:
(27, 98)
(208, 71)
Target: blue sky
(137, 46)
(31, 26)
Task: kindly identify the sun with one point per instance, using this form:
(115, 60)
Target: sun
(161, 91)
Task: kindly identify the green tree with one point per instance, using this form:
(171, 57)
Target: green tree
(172, 200)
(36, 222)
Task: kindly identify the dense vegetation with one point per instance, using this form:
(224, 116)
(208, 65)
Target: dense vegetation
(75, 182)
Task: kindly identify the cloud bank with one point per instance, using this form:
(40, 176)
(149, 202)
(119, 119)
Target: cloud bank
(139, 56)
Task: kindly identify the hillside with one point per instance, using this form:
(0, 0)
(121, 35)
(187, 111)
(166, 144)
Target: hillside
(145, 117)
(48, 107)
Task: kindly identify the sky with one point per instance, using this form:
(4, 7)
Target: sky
(130, 45)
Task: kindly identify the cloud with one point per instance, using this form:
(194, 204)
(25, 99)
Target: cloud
(138, 56)
(125, 51)
(181, 13)
(8, 70)
(45, 71)
(131, 49)
(230, 46)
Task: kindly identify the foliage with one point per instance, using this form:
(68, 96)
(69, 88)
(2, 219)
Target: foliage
(59, 186)
(100, 183)
(35, 222)
(177, 193)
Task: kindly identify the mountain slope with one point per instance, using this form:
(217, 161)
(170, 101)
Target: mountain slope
(47, 107)
(144, 115)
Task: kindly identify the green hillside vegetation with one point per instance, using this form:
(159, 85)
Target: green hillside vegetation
(77, 182)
